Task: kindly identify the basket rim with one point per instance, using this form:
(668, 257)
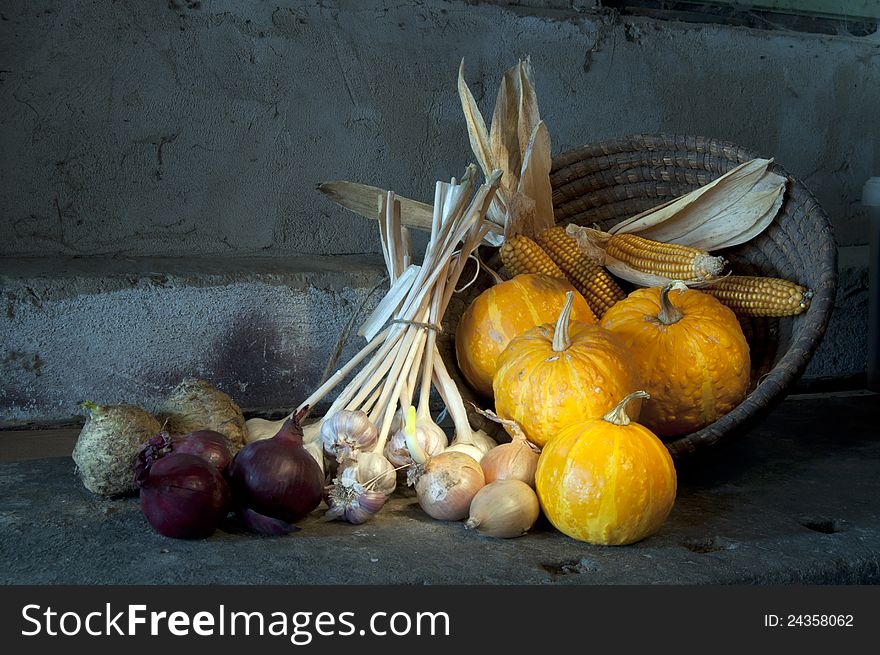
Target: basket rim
(774, 386)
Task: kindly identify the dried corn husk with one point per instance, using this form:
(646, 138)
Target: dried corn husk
(364, 200)
(726, 212)
(518, 144)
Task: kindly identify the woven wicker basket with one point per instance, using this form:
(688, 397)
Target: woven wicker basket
(612, 180)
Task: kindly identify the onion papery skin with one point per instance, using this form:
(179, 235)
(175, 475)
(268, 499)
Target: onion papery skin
(255, 522)
(184, 497)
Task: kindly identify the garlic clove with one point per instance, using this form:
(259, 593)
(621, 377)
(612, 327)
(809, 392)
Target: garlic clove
(483, 441)
(376, 473)
(260, 428)
(315, 450)
(312, 432)
(503, 509)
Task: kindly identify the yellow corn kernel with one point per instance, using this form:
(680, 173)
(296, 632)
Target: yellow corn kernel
(761, 296)
(520, 254)
(669, 260)
(592, 281)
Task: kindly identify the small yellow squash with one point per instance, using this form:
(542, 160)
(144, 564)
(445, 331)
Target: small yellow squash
(552, 376)
(606, 481)
(692, 355)
(503, 312)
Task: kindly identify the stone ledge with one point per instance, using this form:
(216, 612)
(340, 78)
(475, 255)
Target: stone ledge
(259, 328)
(790, 502)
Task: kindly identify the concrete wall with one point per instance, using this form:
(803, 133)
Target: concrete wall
(199, 129)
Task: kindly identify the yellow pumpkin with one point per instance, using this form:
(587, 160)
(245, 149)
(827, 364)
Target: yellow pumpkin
(692, 356)
(606, 481)
(551, 376)
(503, 312)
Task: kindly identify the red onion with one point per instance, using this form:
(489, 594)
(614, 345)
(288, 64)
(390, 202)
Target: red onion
(263, 524)
(184, 496)
(211, 446)
(207, 444)
(277, 477)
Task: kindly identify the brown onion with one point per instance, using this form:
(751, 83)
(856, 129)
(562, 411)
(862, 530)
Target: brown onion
(447, 484)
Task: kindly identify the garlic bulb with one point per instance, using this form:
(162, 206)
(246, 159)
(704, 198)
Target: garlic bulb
(346, 432)
(349, 501)
(260, 428)
(483, 441)
(504, 509)
(433, 442)
(467, 448)
(375, 472)
(517, 460)
(447, 483)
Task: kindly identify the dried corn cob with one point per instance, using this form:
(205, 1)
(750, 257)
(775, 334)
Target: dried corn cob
(591, 280)
(520, 254)
(669, 260)
(761, 296)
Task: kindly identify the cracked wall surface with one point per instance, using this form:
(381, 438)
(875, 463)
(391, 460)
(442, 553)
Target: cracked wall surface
(202, 127)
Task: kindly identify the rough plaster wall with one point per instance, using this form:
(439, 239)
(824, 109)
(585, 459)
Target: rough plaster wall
(202, 127)
(138, 129)
(263, 332)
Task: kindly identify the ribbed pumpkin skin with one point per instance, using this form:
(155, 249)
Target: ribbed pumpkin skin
(503, 312)
(606, 484)
(545, 391)
(696, 370)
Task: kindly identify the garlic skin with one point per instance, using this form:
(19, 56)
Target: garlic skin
(447, 484)
(516, 460)
(349, 501)
(260, 428)
(315, 450)
(468, 449)
(346, 432)
(483, 441)
(432, 441)
(375, 472)
(503, 509)
(312, 432)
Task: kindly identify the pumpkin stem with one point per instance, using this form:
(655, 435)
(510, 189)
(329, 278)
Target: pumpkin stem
(669, 313)
(561, 340)
(618, 415)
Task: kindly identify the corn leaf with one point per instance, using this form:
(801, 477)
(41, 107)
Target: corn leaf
(363, 200)
(528, 113)
(503, 134)
(736, 207)
(477, 133)
(535, 181)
